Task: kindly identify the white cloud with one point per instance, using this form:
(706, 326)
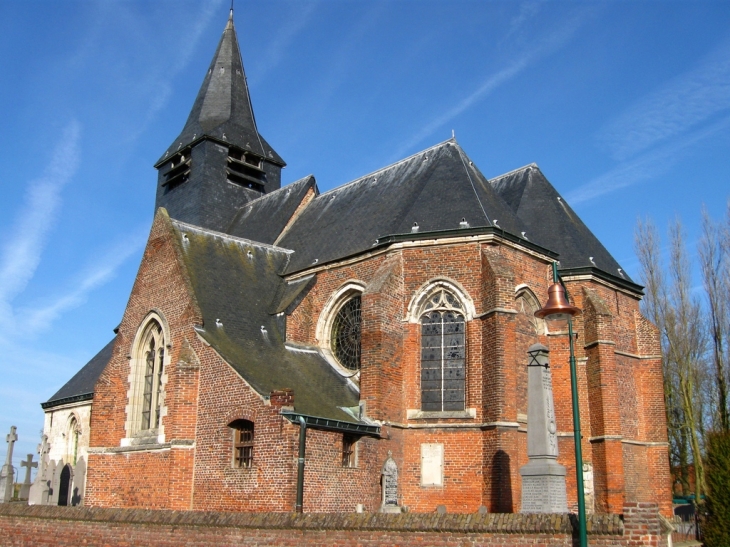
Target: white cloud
(645, 167)
(546, 45)
(296, 20)
(20, 256)
(676, 107)
(104, 268)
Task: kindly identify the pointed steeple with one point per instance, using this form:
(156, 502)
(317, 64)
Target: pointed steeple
(219, 156)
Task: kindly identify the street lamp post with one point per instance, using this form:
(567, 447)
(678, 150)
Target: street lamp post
(558, 308)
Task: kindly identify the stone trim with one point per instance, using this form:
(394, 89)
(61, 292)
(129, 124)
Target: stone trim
(635, 356)
(645, 443)
(482, 425)
(416, 414)
(589, 345)
(601, 438)
(494, 311)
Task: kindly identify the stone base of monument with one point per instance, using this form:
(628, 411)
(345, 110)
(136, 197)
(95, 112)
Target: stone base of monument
(543, 487)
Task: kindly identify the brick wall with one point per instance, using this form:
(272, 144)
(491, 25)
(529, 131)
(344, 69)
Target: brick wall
(47, 526)
(620, 394)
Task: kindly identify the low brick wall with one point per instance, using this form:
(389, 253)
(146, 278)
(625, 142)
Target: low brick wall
(41, 526)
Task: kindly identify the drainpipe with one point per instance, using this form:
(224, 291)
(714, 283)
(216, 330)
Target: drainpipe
(300, 470)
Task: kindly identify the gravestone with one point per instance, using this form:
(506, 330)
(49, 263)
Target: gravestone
(29, 464)
(39, 490)
(7, 475)
(543, 478)
(389, 483)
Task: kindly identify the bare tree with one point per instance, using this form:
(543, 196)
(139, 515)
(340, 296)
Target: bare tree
(677, 315)
(714, 262)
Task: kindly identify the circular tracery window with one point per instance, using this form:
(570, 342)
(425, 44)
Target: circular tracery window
(345, 334)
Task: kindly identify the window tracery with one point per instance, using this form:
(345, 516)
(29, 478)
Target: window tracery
(443, 353)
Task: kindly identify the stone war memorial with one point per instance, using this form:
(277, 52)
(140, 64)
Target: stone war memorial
(370, 352)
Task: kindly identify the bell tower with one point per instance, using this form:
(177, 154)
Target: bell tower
(219, 162)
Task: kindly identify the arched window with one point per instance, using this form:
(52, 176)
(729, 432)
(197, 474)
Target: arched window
(345, 334)
(242, 443)
(153, 346)
(443, 353)
(72, 440)
(339, 329)
(147, 379)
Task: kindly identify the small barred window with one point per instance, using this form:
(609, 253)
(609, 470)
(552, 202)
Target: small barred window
(242, 443)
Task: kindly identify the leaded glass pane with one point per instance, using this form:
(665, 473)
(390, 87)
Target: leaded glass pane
(345, 334)
(443, 355)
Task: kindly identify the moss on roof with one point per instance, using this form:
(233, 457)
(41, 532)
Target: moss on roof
(237, 285)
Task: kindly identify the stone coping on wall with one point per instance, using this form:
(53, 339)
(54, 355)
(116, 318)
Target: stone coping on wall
(501, 523)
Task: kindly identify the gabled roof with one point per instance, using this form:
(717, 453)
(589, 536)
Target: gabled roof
(265, 218)
(222, 109)
(81, 386)
(436, 189)
(550, 222)
(237, 287)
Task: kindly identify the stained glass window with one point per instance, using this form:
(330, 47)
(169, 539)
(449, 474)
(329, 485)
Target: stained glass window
(345, 334)
(443, 354)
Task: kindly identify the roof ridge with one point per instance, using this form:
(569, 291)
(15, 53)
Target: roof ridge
(532, 165)
(275, 192)
(184, 225)
(399, 162)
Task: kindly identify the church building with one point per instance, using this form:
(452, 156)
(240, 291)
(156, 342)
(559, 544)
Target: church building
(363, 348)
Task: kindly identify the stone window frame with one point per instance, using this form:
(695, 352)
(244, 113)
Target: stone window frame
(350, 450)
(336, 301)
(73, 436)
(242, 454)
(135, 393)
(525, 294)
(416, 309)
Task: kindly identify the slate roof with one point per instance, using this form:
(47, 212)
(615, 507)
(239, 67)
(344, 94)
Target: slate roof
(81, 386)
(550, 222)
(435, 188)
(237, 287)
(265, 218)
(222, 109)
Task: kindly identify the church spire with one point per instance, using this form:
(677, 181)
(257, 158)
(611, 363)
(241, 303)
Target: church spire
(234, 163)
(222, 109)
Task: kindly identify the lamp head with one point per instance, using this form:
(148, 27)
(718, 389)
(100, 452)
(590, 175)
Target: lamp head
(557, 307)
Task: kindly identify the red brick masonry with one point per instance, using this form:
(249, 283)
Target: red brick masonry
(41, 526)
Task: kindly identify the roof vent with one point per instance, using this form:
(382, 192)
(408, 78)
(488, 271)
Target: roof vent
(591, 259)
(249, 254)
(463, 223)
(315, 260)
(495, 223)
(218, 323)
(620, 272)
(414, 228)
(524, 236)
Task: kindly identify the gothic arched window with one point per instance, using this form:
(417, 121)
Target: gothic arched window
(443, 353)
(148, 368)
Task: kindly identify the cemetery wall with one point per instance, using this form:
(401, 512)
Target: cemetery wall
(46, 526)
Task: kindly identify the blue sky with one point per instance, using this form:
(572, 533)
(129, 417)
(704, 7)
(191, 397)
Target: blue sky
(624, 105)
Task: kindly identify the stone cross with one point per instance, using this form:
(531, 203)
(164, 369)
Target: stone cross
(543, 478)
(37, 494)
(29, 464)
(7, 474)
(11, 438)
